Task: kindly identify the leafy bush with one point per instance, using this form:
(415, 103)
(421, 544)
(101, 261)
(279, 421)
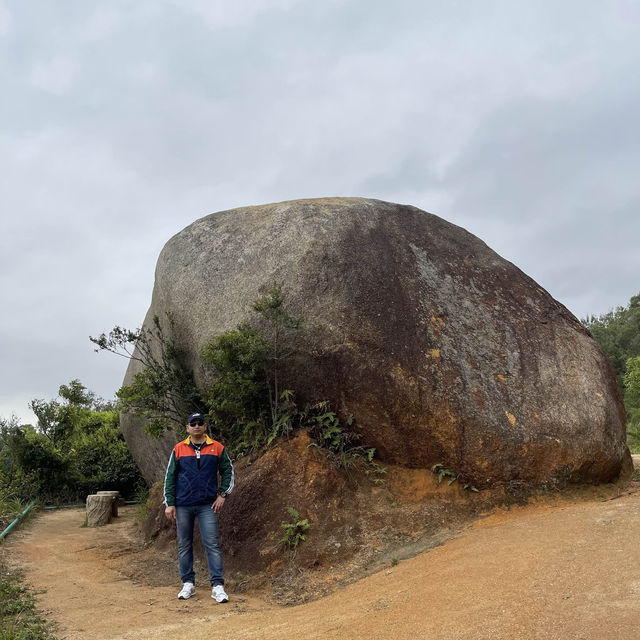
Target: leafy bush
(238, 396)
(341, 444)
(618, 333)
(32, 467)
(76, 449)
(631, 381)
(103, 462)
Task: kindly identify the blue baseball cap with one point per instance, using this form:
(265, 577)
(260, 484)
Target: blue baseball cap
(196, 416)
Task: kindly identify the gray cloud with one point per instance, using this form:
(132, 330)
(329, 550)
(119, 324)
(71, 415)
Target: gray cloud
(121, 124)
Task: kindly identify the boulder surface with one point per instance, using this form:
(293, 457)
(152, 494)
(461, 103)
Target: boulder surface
(443, 351)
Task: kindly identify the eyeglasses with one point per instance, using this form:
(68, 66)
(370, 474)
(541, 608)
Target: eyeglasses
(196, 423)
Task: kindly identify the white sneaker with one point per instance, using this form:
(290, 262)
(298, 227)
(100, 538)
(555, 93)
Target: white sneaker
(218, 594)
(187, 591)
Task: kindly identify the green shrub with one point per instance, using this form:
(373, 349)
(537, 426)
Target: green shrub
(76, 449)
(39, 468)
(295, 531)
(102, 461)
(618, 333)
(238, 396)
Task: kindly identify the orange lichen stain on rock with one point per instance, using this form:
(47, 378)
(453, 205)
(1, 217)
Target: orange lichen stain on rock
(436, 324)
(403, 377)
(415, 485)
(501, 378)
(511, 418)
(434, 353)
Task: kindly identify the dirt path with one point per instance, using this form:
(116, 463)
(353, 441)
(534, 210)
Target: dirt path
(570, 570)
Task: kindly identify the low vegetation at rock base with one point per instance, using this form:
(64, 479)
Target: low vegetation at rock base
(248, 410)
(442, 472)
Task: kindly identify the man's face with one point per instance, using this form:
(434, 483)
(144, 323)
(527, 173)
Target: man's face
(196, 427)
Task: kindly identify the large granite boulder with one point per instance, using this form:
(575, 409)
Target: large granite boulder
(442, 350)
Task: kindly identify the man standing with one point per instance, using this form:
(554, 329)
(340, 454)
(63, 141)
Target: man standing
(191, 493)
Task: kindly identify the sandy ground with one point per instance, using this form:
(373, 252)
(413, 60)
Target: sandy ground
(569, 569)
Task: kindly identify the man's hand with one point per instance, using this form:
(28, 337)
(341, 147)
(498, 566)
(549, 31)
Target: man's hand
(218, 504)
(170, 512)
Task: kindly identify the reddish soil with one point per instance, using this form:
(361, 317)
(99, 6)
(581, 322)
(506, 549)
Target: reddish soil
(562, 568)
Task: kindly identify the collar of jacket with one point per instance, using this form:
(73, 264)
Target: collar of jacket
(207, 440)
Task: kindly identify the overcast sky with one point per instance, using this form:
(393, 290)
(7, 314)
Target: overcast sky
(121, 122)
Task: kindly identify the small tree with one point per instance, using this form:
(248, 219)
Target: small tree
(58, 418)
(164, 391)
(238, 396)
(237, 359)
(278, 322)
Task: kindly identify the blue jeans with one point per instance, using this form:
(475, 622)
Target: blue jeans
(208, 525)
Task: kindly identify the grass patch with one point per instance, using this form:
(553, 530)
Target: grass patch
(10, 509)
(19, 617)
